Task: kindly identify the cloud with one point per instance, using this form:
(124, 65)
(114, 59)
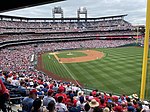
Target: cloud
(135, 9)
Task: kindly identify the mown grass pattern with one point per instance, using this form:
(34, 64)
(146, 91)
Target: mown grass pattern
(118, 72)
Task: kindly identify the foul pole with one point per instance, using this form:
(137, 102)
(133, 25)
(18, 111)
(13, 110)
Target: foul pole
(145, 54)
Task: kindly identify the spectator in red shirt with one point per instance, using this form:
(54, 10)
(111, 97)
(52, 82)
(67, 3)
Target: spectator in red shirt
(96, 96)
(135, 104)
(4, 95)
(102, 103)
(118, 108)
(70, 102)
(61, 93)
(124, 106)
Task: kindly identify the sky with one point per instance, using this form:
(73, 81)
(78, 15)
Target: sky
(136, 9)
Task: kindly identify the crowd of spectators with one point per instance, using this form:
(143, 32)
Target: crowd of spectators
(41, 27)
(39, 92)
(106, 35)
(42, 93)
(84, 44)
(103, 29)
(16, 58)
(65, 25)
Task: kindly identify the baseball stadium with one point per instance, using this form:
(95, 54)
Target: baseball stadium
(95, 62)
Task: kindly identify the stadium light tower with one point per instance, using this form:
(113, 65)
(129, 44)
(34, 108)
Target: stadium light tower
(83, 11)
(57, 10)
(145, 54)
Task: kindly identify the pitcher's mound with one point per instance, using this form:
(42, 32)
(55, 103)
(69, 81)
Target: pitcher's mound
(69, 53)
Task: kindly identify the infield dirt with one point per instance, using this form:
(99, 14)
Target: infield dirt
(90, 56)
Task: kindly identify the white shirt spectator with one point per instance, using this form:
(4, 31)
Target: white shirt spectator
(68, 88)
(47, 99)
(15, 82)
(74, 88)
(80, 105)
(61, 107)
(146, 108)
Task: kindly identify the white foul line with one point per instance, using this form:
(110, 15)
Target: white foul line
(67, 70)
(70, 74)
(49, 57)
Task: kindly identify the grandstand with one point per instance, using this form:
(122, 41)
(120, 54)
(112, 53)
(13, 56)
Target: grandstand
(45, 29)
(23, 40)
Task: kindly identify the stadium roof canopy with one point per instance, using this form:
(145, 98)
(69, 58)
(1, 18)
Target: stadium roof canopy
(98, 18)
(9, 5)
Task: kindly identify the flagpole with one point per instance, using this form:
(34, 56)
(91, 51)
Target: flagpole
(145, 54)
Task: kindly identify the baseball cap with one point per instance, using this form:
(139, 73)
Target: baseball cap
(33, 91)
(50, 91)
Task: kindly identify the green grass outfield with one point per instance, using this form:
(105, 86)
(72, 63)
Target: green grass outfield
(118, 72)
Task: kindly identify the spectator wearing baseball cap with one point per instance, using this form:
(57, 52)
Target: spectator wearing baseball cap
(48, 98)
(71, 101)
(61, 93)
(95, 95)
(28, 101)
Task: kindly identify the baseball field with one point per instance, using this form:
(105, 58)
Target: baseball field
(116, 70)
